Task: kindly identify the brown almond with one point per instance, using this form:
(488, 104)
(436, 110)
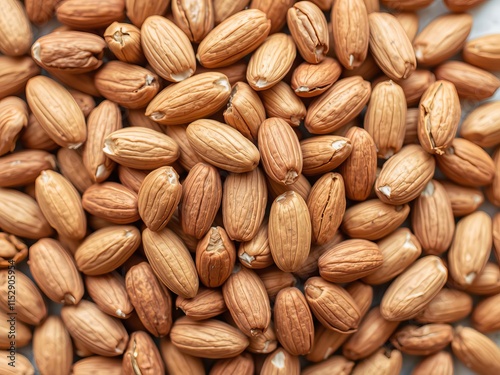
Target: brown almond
(424, 340)
(464, 200)
(483, 52)
(256, 253)
(139, 10)
(275, 11)
(281, 362)
(275, 280)
(482, 125)
(338, 364)
(23, 167)
(242, 364)
(142, 356)
(49, 338)
(70, 163)
(16, 71)
(448, 306)
(207, 303)
(91, 14)
(280, 101)
(324, 153)
(97, 364)
(441, 362)
(415, 85)
(177, 362)
(195, 18)
(485, 317)
(314, 79)
(15, 31)
(124, 40)
(109, 293)
(384, 360)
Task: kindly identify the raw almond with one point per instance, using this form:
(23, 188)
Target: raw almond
(34, 137)
(448, 306)
(15, 31)
(275, 280)
(264, 343)
(482, 125)
(415, 85)
(256, 253)
(424, 340)
(314, 79)
(485, 317)
(207, 304)
(70, 163)
(441, 362)
(226, 8)
(410, 22)
(195, 18)
(23, 167)
(97, 363)
(124, 40)
(275, 11)
(188, 157)
(425, 278)
(405, 175)
(281, 362)
(464, 200)
(483, 52)
(338, 364)
(49, 338)
(302, 187)
(91, 14)
(242, 364)
(139, 10)
(280, 101)
(177, 362)
(14, 73)
(384, 361)
(142, 356)
(324, 153)
(109, 293)
(13, 118)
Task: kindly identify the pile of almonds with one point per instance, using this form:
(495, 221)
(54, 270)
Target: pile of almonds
(223, 187)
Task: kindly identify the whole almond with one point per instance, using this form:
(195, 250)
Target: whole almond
(293, 321)
(55, 272)
(171, 261)
(161, 37)
(440, 362)
(207, 304)
(384, 360)
(302, 187)
(177, 362)
(264, 70)
(350, 32)
(486, 283)
(471, 247)
(399, 250)
(464, 200)
(15, 72)
(242, 364)
(45, 98)
(409, 21)
(424, 340)
(482, 125)
(476, 351)
(109, 293)
(140, 148)
(13, 118)
(139, 10)
(289, 231)
(470, 82)
(226, 8)
(442, 38)
(275, 280)
(466, 164)
(15, 31)
(314, 79)
(33, 137)
(426, 277)
(215, 257)
(281, 362)
(23, 167)
(280, 151)
(232, 152)
(309, 29)
(208, 339)
(336, 107)
(280, 101)
(101, 333)
(106, 249)
(70, 51)
(175, 104)
(195, 18)
(131, 86)
(434, 235)
(237, 36)
(415, 85)
(21, 215)
(11, 249)
(188, 157)
(30, 307)
(23, 364)
(49, 338)
(485, 315)
(324, 153)
(99, 365)
(275, 11)
(405, 175)
(256, 253)
(131, 178)
(70, 163)
(483, 52)
(247, 301)
(91, 14)
(142, 356)
(390, 46)
(124, 40)
(158, 197)
(373, 219)
(448, 306)
(341, 264)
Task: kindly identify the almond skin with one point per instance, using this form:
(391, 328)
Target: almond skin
(15, 31)
(482, 125)
(196, 25)
(143, 355)
(23, 167)
(92, 14)
(448, 306)
(208, 303)
(324, 153)
(310, 80)
(441, 361)
(483, 52)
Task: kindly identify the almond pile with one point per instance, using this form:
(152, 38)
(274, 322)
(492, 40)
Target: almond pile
(247, 187)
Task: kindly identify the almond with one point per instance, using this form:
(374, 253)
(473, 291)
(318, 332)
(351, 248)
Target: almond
(464, 200)
(195, 18)
(70, 163)
(139, 10)
(448, 306)
(109, 293)
(15, 31)
(483, 52)
(440, 362)
(92, 14)
(177, 362)
(242, 364)
(314, 79)
(256, 253)
(281, 362)
(15, 72)
(338, 364)
(142, 355)
(124, 40)
(275, 11)
(49, 338)
(23, 167)
(415, 85)
(485, 317)
(208, 303)
(280, 101)
(424, 340)
(482, 125)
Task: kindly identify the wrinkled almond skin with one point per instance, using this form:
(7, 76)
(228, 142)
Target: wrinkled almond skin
(405, 175)
(332, 305)
(310, 80)
(485, 317)
(242, 364)
(70, 163)
(442, 38)
(109, 293)
(208, 339)
(232, 151)
(466, 164)
(483, 52)
(476, 351)
(98, 365)
(139, 10)
(390, 46)
(399, 250)
(70, 51)
(324, 153)
(124, 40)
(226, 8)
(99, 332)
(471, 247)
(280, 151)
(289, 216)
(49, 338)
(264, 70)
(161, 37)
(51, 190)
(13, 118)
(482, 125)
(23, 167)
(336, 107)
(15, 31)
(373, 219)
(197, 214)
(142, 356)
(151, 299)
(14, 73)
(106, 249)
(264, 343)
(448, 306)
(438, 117)
(309, 29)
(207, 304)
(426, 277)
(256, 253)
(177, 362)
(326, 203)
(55, 272)
(195, 18)
(281, 362)
(424, 340)
(341, 263)
(280, 101)
(46, 98)
(194, 98)
(293, 321)
(435, 235)
(383, 361)
(171, 261)
(158, 197)
(385, 118)
(234, 38)
(247, 301)
(215, 257)
(275, 11)
(350, 32)
(439, 363)
(91, 14)
(188, 158)
(131, 86)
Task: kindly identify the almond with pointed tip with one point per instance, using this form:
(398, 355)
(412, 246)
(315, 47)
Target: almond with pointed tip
(23, 167)
(324, 153)
(142, 356)
(483, 52)
(441, 363)
(274, 10)
(49, 338)
(124, 40)
(15, 30)
(310, 80)
(208, 303)
(195, 18)
(482, 125)
(448, 306)
(424, 340)
(280, 101)
(109, 293)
